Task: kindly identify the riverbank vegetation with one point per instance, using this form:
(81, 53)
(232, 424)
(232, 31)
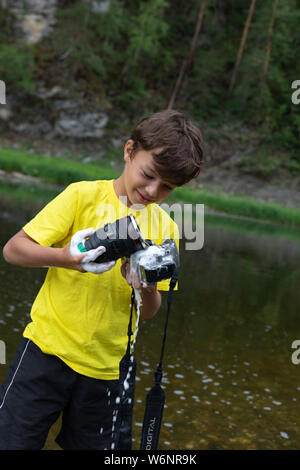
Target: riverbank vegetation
(220, 61)
(51, 175)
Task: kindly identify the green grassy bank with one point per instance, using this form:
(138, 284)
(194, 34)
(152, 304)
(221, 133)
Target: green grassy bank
(53, 173)
(240, 206)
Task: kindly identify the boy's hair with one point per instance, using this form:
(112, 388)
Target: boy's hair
(180, 141)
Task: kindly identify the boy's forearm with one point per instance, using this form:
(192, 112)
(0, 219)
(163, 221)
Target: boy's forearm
(22, 250)
(151, 301)
(30, 254)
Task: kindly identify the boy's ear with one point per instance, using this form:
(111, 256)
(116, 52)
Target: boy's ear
(127, 150)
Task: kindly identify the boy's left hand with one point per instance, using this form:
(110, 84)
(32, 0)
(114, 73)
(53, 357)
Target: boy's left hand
(133, 280)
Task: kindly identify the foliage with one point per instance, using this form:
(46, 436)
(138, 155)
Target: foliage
(120, 48)
(239, 206)
(17, 66)
(130, 55)
(62, 171)
(16, 60)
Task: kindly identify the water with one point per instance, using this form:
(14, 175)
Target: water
(228, 375)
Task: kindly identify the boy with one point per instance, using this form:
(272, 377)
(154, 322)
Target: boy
(69, 357)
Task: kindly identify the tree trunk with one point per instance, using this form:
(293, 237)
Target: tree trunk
(196, 36)
(187, 63)
(270, 30)
(241, 48)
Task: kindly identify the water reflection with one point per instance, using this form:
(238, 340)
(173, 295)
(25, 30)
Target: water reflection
(228, 376)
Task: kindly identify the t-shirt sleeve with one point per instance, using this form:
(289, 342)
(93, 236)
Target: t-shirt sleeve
(164, 285)
(54, 222)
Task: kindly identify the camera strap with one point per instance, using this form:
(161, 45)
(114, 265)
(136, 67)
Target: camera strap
(156, 397)
(127, 372)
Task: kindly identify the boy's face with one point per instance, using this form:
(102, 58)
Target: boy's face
(143, 185)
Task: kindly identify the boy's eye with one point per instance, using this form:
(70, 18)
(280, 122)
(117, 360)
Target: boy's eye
(166, 186)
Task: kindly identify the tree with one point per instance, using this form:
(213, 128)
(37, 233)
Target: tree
(187, 63)
(241, 48)
(270, 29)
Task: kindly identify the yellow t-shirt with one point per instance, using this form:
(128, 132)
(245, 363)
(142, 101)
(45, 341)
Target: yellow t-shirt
(82, 317)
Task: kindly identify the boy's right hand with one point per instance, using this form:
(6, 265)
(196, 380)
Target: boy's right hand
(83, 262)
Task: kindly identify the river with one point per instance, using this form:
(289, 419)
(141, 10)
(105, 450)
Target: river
(229, 378)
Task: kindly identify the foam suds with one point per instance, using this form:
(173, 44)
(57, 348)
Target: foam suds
(126, 381)
(146, 257)
(114, 420)
(138, 314)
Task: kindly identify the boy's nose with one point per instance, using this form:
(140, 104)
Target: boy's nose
(152, 190)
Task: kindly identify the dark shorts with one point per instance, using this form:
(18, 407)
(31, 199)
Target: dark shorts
(38, 387)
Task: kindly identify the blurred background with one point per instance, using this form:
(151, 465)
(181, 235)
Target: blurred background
(75, 77)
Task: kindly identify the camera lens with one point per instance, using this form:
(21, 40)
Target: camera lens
(121, 238)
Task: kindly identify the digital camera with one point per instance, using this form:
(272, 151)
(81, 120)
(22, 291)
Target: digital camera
(155, 262)
(123, 238)
(120, 238)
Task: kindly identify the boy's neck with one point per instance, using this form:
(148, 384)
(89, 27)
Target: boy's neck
(120, 190)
